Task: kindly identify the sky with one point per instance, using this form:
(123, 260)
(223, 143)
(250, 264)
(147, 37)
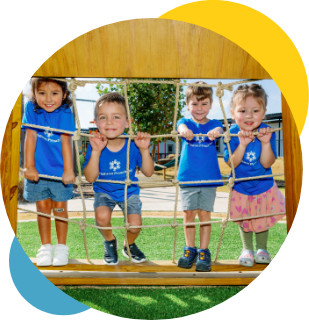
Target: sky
(89, 92)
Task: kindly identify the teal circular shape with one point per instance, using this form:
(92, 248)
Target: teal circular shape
(36, 289)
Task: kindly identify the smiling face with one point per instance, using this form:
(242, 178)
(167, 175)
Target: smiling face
(49, 96)
(111, 120)
(248, 113)
(199, 109)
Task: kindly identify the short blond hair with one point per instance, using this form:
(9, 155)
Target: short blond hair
(200, 93)
(112, 97)
(245, 91)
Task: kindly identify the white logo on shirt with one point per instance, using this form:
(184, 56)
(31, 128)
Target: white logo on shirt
(48, 133)
(250, 156)
(114, 165)
(199, 139)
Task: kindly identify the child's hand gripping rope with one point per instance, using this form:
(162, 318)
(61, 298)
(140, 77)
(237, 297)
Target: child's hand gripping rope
(245, 137)
(31, 174)
(264, 135)
(98, 142)
(142, 140)
(215, 133)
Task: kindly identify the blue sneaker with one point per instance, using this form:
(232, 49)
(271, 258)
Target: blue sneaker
(188, 257)
(110, 252)
(203, 262)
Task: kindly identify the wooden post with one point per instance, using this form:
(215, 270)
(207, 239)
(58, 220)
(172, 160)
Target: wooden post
(10, 163)
(293, 166)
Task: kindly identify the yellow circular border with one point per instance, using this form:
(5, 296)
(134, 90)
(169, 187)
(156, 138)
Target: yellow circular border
(259, 36)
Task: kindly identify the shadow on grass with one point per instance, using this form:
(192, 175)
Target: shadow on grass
(152, 303)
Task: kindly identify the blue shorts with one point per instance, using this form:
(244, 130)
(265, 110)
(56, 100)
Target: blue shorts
(134, 203)
(47, 188)
(201, 197)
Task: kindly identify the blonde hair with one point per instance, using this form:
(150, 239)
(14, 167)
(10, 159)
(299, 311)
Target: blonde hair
(200, 93)
(245, 91)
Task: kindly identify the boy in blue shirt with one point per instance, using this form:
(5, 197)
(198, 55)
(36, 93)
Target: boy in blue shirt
(106, 159)
(198, 162)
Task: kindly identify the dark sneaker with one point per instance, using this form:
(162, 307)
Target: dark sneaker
(203, 262)
(188, 257)
(136, 254)
(110, 252)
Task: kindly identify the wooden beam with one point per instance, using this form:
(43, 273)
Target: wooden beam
(150, 278)
(293, 165)
(148, 266)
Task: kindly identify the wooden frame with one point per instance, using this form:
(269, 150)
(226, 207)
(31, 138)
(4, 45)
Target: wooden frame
(150, 48)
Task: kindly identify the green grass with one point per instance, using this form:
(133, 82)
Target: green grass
(151, 303)
(156, 243)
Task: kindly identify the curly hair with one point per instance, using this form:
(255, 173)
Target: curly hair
(244, 91)
(37, 82)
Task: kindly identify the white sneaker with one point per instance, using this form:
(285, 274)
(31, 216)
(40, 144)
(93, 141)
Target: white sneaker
(45, 255)
(61, 255)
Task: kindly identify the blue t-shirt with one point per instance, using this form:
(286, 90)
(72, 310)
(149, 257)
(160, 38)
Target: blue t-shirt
(198, 158)
(112, 166)
(250, 165)
(48, 152)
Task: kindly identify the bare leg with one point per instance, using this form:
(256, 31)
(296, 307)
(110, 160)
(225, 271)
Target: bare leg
(44, 224)
(189, 217)
(134, 220)
(60, 209)
(205, 230)
(103, 215)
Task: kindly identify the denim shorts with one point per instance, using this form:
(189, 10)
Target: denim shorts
(193, 198)
(134, 203)
(46, 188)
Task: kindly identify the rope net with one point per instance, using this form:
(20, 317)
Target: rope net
(76, 135)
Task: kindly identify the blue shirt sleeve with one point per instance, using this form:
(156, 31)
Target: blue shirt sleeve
(87, 156)
(67, 120)
(29, 116)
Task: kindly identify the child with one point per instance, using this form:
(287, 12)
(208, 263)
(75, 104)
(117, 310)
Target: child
(198, 162)
(253, 156)
(106, 159)
(49, 153)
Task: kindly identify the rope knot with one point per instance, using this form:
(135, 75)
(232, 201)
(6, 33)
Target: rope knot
(175, 181)
(224, 223)
(131, 134)
(219, 92)
(128, 182)
(127, 226)
(231, 182)
(174, 225)
(76, 136)
(227, 137)
(78, 180)
(74, 83)
(176, 81)
(174, 133)
(82, 225)
(127, 81)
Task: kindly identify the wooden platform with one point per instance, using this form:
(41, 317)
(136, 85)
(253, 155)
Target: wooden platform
(81, 272)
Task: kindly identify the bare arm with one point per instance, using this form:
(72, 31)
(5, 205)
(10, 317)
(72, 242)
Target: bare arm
(31, 172)
(245, 138)
(142, 141)
(91, 170)
(185, 132)
(68, 176)
(267, 157)
(147, 163)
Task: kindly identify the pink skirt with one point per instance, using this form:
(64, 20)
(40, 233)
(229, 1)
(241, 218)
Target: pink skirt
(271, 201)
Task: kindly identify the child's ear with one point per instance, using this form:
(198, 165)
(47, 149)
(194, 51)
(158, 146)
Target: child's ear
(65, 95)
(265, 113)
(127, 123)
(232, 113)
(95, 121)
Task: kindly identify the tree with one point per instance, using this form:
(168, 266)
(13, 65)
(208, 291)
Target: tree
(152, 106)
